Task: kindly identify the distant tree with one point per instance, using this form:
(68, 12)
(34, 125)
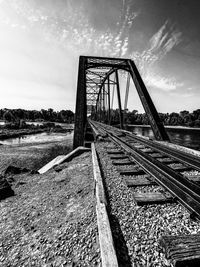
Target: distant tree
(8, 116)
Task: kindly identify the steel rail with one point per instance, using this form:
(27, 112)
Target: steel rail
(186, 192)
(171, 152)
(182, 156)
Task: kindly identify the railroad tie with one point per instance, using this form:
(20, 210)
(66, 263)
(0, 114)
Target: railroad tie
(152, 198)
(121, 163)
(193, 178)
(182, 250)
(182, 168)
(168, 160)
(119, 157)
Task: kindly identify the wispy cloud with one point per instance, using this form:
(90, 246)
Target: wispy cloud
(160, 44)
(164, 40)
(164, 83)
(73, 29)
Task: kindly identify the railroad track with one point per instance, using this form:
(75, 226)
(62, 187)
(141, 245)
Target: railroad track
(153, 163)
(164, 184)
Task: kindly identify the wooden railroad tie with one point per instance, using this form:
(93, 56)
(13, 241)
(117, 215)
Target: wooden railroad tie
(155, 155)
(168, 160)
(193, 178)
(147, 150)
(119, 157)
(182, 250)
(152, 198)
(182, 168)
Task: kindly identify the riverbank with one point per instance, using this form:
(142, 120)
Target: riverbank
(32, 155)
(6, 133)
(167, 126)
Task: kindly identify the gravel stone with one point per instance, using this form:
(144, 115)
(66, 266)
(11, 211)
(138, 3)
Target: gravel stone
(51, 220)
(137, 229)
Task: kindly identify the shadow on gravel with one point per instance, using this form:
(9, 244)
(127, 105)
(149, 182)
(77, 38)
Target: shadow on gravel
(118, 238)
(119, 242)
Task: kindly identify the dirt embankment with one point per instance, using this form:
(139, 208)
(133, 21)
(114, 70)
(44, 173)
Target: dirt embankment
(51, 219)
(32, 155)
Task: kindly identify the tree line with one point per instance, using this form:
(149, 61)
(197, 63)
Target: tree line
(183, 118)
(14, 115)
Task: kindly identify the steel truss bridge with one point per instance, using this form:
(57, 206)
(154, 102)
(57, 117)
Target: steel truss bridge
(172, 172)
(96, 77)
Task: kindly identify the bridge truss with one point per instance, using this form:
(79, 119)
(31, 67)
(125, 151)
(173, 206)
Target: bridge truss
(96, 77)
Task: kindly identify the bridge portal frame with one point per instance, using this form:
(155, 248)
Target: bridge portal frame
(92, 76)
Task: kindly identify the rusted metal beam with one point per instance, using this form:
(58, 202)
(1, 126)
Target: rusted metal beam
(81, 108)
(94, 86)
(119, 101)
(156, 124)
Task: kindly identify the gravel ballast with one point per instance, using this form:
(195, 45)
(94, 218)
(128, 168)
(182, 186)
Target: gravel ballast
(137, 230)
(51, 220)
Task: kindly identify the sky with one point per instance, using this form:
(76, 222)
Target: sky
(41, 41)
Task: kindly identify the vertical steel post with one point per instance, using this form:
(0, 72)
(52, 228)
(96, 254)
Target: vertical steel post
(81, 108)
(103, 102)
(119, 101)
(100, 106)
(96, 111)
(108, 100)
(126, 99)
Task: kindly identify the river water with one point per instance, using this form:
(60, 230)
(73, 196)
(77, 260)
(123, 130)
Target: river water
(181, 136)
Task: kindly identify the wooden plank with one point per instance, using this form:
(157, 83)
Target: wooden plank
(182, 168)
(131, 182)
(63, 158)
(155, 155)
(139, 147)
(182, 250)
(167, 160)
(100, 194)
(108, 254)
(151, 198)
(194, 178)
